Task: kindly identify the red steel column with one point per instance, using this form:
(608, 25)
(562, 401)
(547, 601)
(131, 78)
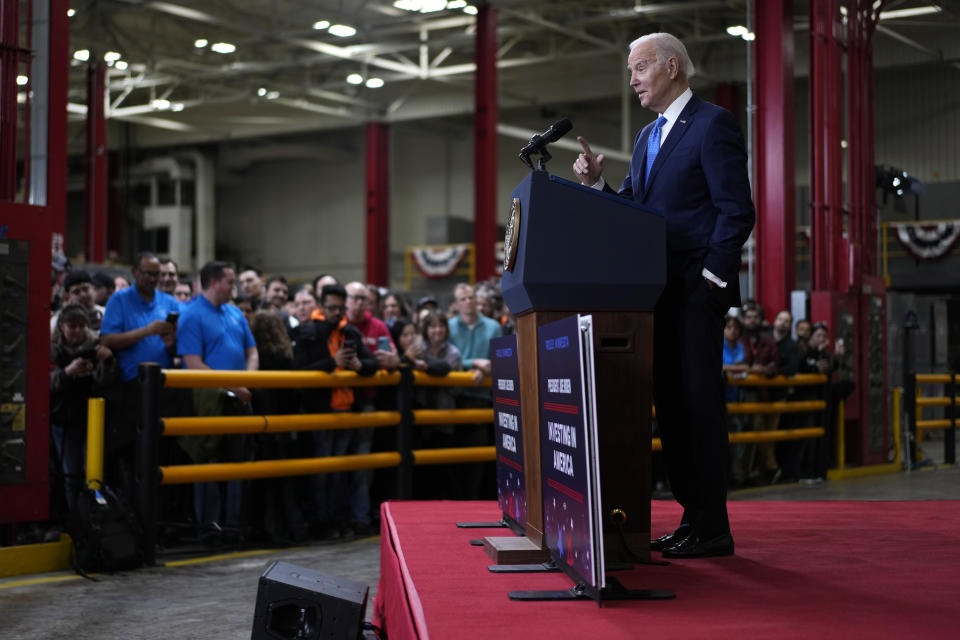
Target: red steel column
(726, 96)
(855, 157)
(826, 130)
(773, 154)
(378, 203)
(833, 134)
(10, 54)
(485, 144)
(95, 218)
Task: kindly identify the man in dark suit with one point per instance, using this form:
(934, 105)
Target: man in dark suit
(690, 165)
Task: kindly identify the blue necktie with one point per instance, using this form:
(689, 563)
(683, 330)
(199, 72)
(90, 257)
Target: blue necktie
(653, 146)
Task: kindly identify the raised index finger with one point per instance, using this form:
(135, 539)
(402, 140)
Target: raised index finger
(586, 145)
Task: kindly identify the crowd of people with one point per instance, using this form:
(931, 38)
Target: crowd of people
(103, 328)
(753, 346)
(239, 319)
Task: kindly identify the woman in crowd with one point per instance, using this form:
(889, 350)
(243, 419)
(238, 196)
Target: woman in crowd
(395, 307)
(283, 520)
(81, 368)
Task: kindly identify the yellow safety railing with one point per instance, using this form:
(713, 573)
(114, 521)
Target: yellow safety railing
(920, 402)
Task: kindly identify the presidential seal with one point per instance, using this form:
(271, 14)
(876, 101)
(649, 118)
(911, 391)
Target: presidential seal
(512, 236)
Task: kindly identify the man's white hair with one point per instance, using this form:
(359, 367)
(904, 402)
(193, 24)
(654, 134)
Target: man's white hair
(668, 46)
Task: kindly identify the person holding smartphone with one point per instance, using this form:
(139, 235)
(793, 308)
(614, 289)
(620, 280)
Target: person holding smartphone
(139, 325)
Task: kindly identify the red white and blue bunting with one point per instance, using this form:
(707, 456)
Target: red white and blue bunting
(435, 262)
(928, 241)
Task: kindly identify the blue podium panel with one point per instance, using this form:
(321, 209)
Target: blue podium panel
(568, 458)
(580, 248)
(507, 422)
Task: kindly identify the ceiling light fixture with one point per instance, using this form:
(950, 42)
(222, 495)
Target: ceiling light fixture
(22, 80)
(320, 25)
(342, 30)
(354, 78)
(470, 9)
(71, 13)
(374, 83)
(912, 12)
(81, 54)
(429, 6)
(200, 43)
(111, 56)
(160, 104)
(273, 95)
(262, 91)
(408, 5)
(457, 4)
(737, 31)
(749, 36)
(176, 106)
(223, 47)
(121, 64)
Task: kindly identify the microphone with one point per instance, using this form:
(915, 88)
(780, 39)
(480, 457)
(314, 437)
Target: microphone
(556, 131)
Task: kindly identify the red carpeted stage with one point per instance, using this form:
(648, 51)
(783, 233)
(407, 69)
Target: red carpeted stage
(802, 570)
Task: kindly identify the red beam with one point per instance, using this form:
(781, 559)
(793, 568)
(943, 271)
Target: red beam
(485, 143)
(726, 96)
(378, 203)
(10, 55)
(773, 153)
(95, 212)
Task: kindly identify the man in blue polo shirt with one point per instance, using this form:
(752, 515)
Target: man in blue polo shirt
(213, 334)
(138, 327)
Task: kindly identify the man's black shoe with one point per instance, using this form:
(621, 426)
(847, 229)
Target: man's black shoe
(693, 546)
(670, 539)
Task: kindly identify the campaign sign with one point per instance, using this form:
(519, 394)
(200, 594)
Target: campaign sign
(567, 462)
(505, 371)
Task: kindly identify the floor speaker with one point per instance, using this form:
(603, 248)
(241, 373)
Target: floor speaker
(295, 603)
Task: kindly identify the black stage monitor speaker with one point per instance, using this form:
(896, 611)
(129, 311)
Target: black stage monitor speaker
(295, 603)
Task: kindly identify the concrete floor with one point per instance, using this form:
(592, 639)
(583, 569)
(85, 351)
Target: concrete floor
(214, 597)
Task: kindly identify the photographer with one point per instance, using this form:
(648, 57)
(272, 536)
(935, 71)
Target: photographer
(333, 345)
(81, 369)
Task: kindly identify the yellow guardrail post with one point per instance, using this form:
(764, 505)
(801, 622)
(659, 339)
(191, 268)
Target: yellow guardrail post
(841, 436)
(95, 415)
(897, 393)
(949, 436)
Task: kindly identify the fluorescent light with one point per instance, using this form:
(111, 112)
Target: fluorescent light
(273, 95)
(470, 9)
(899, 192)
(737, 30)
(111, 56)
(457, 4)
(160, 103)
(342, 30)
(81, 54)
(909, 13)
(121, 64)
(22, 80)
(320, 25)
(200, 43)
(176, 106)
(354, 78)
(71, 13)
(21, 97)
(223, 47)
(429, 6)
(895, 182)
(262, 91)
(374, 83)
(749, 36)
(843, 144)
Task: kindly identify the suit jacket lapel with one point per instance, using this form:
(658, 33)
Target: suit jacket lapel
(676, 132)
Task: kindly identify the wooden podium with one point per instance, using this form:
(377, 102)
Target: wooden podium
(575, 250)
